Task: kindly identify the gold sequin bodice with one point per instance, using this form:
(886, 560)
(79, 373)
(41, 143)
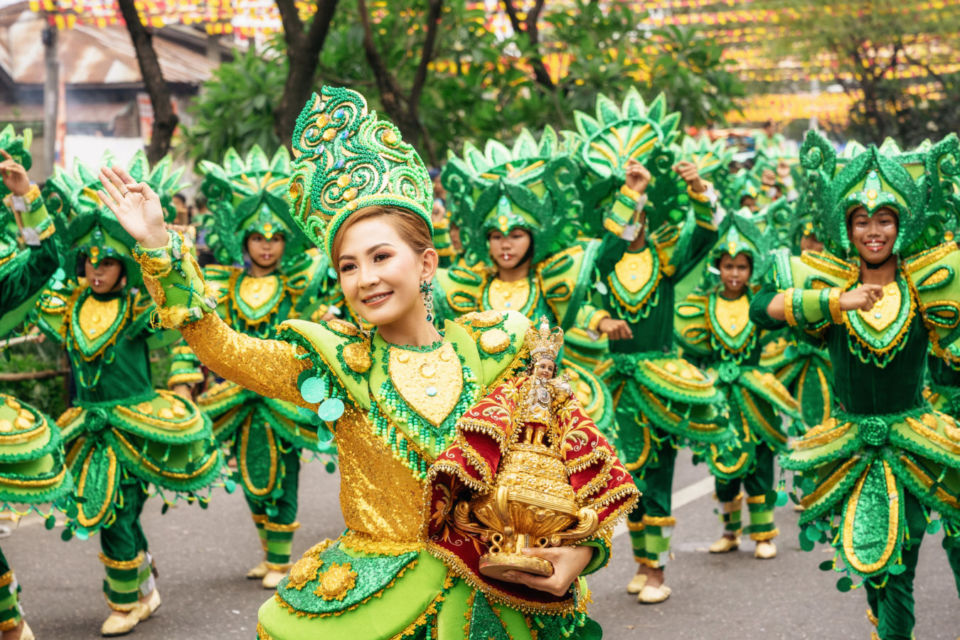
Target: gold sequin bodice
(97, 316)
(504, 296)
(379, 496)
(733, 315)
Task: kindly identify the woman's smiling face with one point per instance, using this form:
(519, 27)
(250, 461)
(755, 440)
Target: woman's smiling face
(380, 273)
(873, 236)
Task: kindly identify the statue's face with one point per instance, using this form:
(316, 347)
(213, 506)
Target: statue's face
(544, 368)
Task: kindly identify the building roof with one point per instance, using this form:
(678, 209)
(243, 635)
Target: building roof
(91, 56)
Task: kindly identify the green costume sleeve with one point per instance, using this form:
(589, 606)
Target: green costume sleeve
(601, 553)
(24, 272)
(184, 367)
(690, 327)
(933, 273)
(566, 279)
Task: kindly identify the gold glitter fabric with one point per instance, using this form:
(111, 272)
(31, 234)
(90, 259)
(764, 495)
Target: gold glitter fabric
(379, 496)
(267, 367)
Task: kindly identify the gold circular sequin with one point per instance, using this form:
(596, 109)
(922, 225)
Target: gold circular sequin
(303, 572)
(357, 357)
(481, 319)
(145, 407)
(342, 327)
(336, 582)
(5, 426)
(495, 341)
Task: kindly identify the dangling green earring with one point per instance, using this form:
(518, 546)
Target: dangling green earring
(426, 292)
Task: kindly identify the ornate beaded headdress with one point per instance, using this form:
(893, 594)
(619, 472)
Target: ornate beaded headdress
(345, 159)
(249, 195)
(740, 233)
(544, 343)
(92, 229)
(632, 131)
(532, 186)
(915, 184)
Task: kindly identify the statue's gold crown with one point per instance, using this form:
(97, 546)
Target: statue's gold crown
(544, 342)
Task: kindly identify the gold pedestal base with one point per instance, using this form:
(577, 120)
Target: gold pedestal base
(494, 565)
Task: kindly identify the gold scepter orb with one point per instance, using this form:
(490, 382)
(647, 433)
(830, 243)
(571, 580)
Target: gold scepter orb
(532, 504)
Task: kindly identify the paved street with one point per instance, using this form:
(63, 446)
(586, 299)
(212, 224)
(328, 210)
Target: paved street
(203, 555)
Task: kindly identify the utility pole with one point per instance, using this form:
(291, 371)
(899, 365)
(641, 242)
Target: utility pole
(51, 88)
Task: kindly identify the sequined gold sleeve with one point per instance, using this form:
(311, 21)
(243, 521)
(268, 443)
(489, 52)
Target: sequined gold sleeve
(268, 367)
(173, 278)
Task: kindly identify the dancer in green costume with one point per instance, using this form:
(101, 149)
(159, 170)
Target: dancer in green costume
(799, 362)
(32, 467)
(396, 393)
(251, 216)
(715, 329)
(122, 435)
(874, 472)
(662, 401)
(519, 211)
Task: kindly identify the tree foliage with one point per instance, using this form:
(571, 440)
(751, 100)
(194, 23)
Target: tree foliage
(433, 68)
(884, 54)
(236, 107)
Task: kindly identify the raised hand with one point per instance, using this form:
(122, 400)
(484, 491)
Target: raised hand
(688, 171)
(14, 175)
(136, 206)
(637, 176)
(863, 297)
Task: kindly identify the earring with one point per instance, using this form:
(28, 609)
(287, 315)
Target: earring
(426, 292)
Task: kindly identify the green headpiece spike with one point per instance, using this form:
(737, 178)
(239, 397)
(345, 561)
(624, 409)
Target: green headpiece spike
(531, 186)
(631, 131)
(345, 159)
(709, 157)
(92, 229)
(250, 196)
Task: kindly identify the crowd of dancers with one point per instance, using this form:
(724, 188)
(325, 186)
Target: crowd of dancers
(353, 307)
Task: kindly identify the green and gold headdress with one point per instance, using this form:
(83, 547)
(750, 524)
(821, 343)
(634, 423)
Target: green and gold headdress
(531, 186)
(345, 159)
(92, 229)
(741, 185)
(916, 184)
(632, 131)
(249, 195)
(740, 233)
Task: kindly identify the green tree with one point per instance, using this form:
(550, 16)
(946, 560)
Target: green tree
(872, 48)
(237, 106)
(433, 68)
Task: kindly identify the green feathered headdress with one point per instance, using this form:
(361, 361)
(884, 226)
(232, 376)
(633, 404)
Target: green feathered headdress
(742, 232)
(249, 195)
(631, 131)
(92, 229)
(741, 185)
(915, 184)
(345, 159)
(531, 186)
